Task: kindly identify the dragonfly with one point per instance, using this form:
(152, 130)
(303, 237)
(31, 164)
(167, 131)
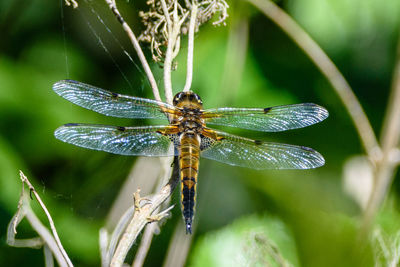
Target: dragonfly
(186, 134)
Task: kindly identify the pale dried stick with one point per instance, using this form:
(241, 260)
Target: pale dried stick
(122, 210)
(104, 240)
(326, 66)
(144, 246)
(72, 3)
(113, 6)
(49, 242)
(178, 248)
(35, 242)
(148, 233)
(48, 256)
(116, 234)
(166, 15)
(171, 35)
(51, 222)
(390, 140)
(143, 216)
(152, 168)
(192, 29)
(173, 41)
(24, 210)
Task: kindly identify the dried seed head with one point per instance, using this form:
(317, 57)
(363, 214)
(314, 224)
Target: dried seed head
(156, 21)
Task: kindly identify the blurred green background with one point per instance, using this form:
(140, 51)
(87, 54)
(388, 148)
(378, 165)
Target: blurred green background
(306, 214)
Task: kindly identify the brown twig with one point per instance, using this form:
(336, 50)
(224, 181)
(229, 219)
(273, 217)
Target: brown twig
(328, 68)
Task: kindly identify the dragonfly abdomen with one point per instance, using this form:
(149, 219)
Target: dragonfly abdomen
(189, 165)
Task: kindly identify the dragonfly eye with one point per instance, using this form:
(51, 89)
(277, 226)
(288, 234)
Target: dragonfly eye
(197, 98)
(177, 98)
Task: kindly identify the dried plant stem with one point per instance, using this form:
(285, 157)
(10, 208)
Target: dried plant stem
(140, 219)
(390, 140)
(46, 239)
(72, 3)
(178, 248)
(113, 6)
(192, 28)
(166, 15)
(168, 65)
(326, 66)
(148, 233)
(144, 215)
(51, 222)
(49, 242)
(172, 48)
(144, 245)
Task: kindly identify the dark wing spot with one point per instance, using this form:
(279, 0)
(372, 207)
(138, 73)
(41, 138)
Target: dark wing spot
(70, 81)
(257, 142)
(266, 110)
(120, 128)
(309, 104)
(71, 124)
(114, 95)
(307, 148)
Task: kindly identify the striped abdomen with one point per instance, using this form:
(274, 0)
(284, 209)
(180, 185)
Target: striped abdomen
(189, 165)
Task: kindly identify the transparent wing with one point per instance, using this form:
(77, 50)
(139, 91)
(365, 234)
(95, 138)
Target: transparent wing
(275, 119)
(111, 104)
(239, 151)
(138, 141)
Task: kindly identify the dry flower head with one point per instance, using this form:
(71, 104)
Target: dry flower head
(156, 21)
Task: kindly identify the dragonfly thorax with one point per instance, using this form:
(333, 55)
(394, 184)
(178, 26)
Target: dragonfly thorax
(189, 125)
(189, 119)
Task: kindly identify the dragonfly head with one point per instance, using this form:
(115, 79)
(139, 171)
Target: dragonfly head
(187, 99)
